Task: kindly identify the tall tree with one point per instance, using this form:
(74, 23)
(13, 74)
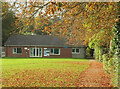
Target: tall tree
(116, 49)
(80, 22)
(8, 21)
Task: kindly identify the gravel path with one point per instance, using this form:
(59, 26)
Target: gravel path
(94, 76)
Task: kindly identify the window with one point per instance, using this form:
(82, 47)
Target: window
(75, 50)
(17, 50)
(51, 51)
(55, 51)
(46, 51)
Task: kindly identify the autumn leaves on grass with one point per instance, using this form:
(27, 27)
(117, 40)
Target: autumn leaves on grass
(43, 73)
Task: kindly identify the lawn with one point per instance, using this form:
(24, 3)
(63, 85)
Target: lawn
(42, 72)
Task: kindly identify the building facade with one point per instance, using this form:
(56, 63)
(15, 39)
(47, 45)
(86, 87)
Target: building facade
(41, 46)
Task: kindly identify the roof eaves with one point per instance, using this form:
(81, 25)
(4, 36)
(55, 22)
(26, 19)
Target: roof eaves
(41, 45)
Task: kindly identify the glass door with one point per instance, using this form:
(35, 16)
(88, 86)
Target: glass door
(35, 52)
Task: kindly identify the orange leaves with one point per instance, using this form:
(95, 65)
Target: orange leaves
(2, 13)
(56, 8)
(45, 75)
(78, 18)
(47, 32)
(70, 40)
(64, 32)
(19, 14)
(46, 28)
(52, 8)
(66, 21)
(77, 27)
(33, 30)
(109, 3)
(42, 30)
(116, 20)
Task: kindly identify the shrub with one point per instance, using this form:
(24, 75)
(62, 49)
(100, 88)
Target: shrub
(110, 65)
(88, 52)
(105, 61)
(99, 51)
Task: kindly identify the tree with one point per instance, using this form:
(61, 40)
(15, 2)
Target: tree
(89, 20)
(80, 22)
(8, 22)
(116, 50)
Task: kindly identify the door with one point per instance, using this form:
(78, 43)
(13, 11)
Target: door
(35, 52)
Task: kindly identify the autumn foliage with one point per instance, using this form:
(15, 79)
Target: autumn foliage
(78, 21)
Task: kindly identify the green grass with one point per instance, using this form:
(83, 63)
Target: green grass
(49, 72)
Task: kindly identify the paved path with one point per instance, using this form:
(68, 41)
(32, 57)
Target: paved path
(94, 76)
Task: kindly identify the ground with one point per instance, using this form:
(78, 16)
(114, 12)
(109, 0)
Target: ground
(95, 76)
(53, 73)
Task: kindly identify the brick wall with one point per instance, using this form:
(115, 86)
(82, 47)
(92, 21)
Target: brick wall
(64, 52)
(9, 52)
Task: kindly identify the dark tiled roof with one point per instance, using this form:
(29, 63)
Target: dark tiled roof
(35, 40)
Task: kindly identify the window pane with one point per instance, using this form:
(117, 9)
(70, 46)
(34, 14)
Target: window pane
(40, 52)
(56, 51)
(40, 49)
(14, 50)
(51, 51)
(37, 52)
(77, 50)
(73, 50)
(19, 50)
(31, 52)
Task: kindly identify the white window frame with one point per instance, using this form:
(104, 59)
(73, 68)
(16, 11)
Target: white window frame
(75, 51)
(16, 51)
(53, 51)
(31, 52)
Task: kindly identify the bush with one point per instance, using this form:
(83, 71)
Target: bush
(110, 65)
(98, 53)
(105, 62)
(88, 52)
(116, 70)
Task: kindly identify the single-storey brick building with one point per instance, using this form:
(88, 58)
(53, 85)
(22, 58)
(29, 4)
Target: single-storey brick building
(41, 46)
